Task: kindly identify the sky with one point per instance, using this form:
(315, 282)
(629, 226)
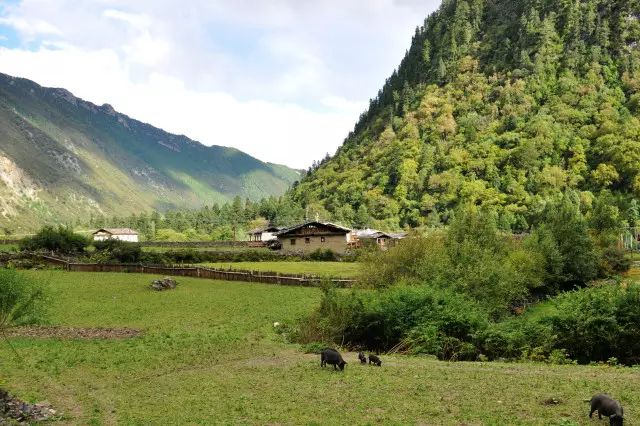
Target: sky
(282, 80)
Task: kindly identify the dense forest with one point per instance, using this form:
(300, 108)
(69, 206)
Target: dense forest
(497, 103)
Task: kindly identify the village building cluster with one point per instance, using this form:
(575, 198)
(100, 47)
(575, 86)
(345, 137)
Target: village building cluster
(314, 235)
(306, 237)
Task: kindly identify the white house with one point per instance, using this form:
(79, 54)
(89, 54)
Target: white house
(122, 234)
(263, 234)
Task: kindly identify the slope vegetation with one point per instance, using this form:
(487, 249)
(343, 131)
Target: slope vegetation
(63, 158)
(498, 103)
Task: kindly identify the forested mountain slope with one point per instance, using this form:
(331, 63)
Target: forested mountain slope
(63, 158)
(497, 102)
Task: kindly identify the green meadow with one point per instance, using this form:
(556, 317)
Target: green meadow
(209, 354)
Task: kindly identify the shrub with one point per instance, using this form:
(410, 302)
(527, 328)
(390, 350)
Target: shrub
(591, 325)
(559, 357)
(472, 257)
(321, 255)
(423, 320)
(60, 240)
(116, 251)
(598, 323)
(22, 299)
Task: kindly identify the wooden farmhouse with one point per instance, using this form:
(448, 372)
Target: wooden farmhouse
(311, 236)
(122, 234)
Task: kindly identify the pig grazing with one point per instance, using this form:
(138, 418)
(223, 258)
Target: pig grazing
(333, 357)
(362, 358)
(608, 407)
(373, 359)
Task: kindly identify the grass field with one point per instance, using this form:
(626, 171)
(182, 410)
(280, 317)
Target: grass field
(329, 269)
(209, 355)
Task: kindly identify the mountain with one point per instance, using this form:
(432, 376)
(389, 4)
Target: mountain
(62, 157)
(499, 103)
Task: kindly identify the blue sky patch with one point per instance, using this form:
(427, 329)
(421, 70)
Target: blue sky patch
(8, 36)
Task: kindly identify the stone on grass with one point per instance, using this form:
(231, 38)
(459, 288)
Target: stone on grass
(166, 283)
(13, 409)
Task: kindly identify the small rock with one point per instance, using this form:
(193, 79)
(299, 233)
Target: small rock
(12, 408)
(166, 283)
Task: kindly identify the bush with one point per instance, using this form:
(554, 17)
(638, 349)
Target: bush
(472, 258)
(22, 299)
(321, 255)
(60, 240)
(595, 324)
(116, 251)
(422, 320)
(590, 325)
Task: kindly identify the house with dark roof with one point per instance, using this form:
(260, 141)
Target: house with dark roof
(311, 236)
(122, 234)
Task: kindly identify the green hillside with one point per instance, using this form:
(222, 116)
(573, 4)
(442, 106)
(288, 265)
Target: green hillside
(497, 102)
(63, 158)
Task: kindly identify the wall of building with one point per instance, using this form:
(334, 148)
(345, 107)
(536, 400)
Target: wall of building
(337, 243)
(128, 238)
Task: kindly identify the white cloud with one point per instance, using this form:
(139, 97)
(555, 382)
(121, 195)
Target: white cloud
(139, 21)
(147, 50)
(283, 80)
(30, 27)
(276, 132)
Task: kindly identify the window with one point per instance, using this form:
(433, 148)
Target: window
(322, 239)
(307, 240)
(293, 241)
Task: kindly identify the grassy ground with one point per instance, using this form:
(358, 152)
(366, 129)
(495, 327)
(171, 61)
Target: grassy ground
(8, 247)
(333, 269)
(634, 273)
(634, 256)
(209, 355)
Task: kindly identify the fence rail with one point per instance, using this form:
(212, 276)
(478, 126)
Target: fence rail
(203, 244)
(196, 271)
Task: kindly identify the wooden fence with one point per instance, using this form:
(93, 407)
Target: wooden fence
(203, 244)
(196, 271)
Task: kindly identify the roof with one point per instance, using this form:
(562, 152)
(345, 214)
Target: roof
(397, 235)
(267, 229)
(372, 234)
(366, 233)
(117, 231)
(333, 226)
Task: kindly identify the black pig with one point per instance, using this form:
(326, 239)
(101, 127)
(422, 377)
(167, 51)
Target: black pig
(332, 357)
(608, 407)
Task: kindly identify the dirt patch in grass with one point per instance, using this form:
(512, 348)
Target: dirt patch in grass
(71, 333)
